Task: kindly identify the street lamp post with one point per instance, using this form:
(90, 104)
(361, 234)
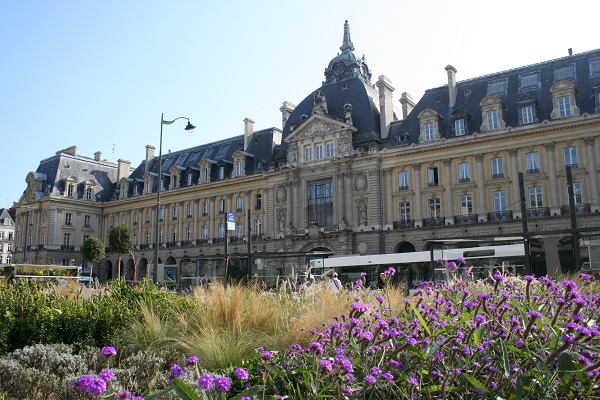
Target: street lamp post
(188, 128)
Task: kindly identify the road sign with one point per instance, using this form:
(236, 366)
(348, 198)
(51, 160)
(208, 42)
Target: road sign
(230, 221)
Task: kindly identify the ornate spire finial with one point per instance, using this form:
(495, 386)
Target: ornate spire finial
(347, 45)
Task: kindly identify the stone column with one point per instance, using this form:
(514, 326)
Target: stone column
(594, 191)
(295, 183)
(418, 207)
(388, 200)
(349, 199)
(196, 234)
(449, 195)
(554, 191)
(481, 208)
(182, 214)
(514, 179)
(339, 197)
(212, 212)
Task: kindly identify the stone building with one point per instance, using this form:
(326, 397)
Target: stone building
(7, 235)
(349, 172)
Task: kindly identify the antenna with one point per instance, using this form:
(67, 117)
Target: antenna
(113, 149)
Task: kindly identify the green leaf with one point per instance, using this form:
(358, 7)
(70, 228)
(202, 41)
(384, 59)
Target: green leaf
(420, 317)
(477, 336)
(417, 352)
(184, 391)
(565, 368)
(475, 382)
(505, 360)
(158, 394)
(251, 392)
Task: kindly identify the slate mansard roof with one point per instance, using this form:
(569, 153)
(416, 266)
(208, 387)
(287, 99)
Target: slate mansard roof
(511, 87)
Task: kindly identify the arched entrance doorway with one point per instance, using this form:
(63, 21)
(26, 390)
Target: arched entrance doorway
(108, 268)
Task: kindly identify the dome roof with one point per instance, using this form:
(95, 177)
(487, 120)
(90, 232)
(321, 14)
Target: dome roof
(346, 65)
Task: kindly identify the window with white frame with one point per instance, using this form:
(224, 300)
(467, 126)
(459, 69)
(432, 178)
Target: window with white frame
(526, 115)
(89, 192)
(188, 233)
(432, 177)
(308, 153)
(123, 219)
(258, 202)
(9, 246)
(147, 238)
(221, 172)
(429, 132)
(29, 239)
(329, 149)
(135, 218)
(173, 236)
(87, 220)
(429, 123)
(149, 187)
(190, 210)
(571, 157)
(43, 238)
(257, 227)
(162, 214)
(67, 239)
(459, 127)
(205, 208)
(318, 151)
(564, 106)
(239, 203)
(466, 204)
(221, 206)
(189, 178)
(464, 172)
(135, 239)
(533, 162)
(536, 198)
(160, 236)
(68, 219)
(135, 190)
(70, 189)
(147, 219)
(499, 201)
(112, 220)
(405, 211)
(204, 175)
(563, 100)
(204, 232)
(497, 168)
(435, 208)
(221, 230)
(239, 228)
(175, 212)
(403, 182)
(492, 120)
(239, 168)
(577, 196)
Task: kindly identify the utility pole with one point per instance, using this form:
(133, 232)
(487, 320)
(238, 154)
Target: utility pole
(573, 214)
(527, 264)
(249, 245)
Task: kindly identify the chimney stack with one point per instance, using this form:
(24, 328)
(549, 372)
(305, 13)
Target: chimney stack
(386, 111)
(149, 156)
(248, 132)
(123, 169)
(98, 155)
(407, 103)
(451, 71)
(286, 110)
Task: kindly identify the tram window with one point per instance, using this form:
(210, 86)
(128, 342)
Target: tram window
(479, 253)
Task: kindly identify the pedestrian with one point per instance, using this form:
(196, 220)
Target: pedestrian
(336, 284)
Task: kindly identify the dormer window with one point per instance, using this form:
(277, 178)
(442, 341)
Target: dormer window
(491, 110)
(136, 190)
(596, 90)
(88, 193)
(459, 127)
(429, 120)
(239, 168)
(563, 100)
(189, 178)
(221, 172)
(460, 122)
(204, 175)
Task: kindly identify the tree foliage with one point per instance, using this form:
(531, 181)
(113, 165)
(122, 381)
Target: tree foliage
(93, 250)
(120, 239)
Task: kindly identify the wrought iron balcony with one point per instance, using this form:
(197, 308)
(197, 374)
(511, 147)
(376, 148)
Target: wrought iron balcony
(539, 212)
(580, 208)
(498, 175)
(432, 184)
(505, 215)
(404, 223)
(434, 221)
(533, 171)
(572, 165)
(258, 237)
(187, 243)
(67, 247)
(464, 180)
(203, 241)
(236, 239)
(403, 187)
(465, 219)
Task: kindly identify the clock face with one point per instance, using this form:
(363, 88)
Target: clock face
(339, 69)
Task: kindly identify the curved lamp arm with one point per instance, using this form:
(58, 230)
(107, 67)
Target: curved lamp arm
(188, 128)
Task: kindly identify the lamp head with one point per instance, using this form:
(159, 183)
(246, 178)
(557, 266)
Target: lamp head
(190, 128)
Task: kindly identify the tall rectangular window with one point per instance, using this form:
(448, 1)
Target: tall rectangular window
(239, 228)
(571, 157)
(239, 203)
(257, 227)
(258, 202)
(162, 214)
(221, 230)
(497, 168)
(492, 120)
(318, 151)
(564, 106)
(239, 168)
(405, 211)
(67, 239)
(526, 115)
(221, 172)
(459, 127)
(464, 172)
(175, 212)
(189, 178)
(88, 193)
(329, 149)
(87, 220)
(135, 218)
(70, 188)
(429, 133)
(320, 202)
(577, 193)
(432, 177)
(466, 204)
(68, 219)
(222, 206)
(188, 233)
(190, 210)
(204, 175)
(536, 199)
(403, 183)
(308, 153)
(500, 201)
(533, 162)
(205, 208)
(204, 232)
(435, 208)
(147, 238)
(135, 239)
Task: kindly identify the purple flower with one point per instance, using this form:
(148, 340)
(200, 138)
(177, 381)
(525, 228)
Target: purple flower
(368, 336)
(479, 319)
(241, 374)
(534, 315)
(569, 286)
(461, 260)
(191, 361)
(106, 375)
(326, 365)
(451, 265)
(123, 395)
(440, 260)
(266, 355)
(375, 371)
(529, 278)
(206, 382)
(363, 274)
(222, 384)
(370, 380)
(176, 371)
(137, 398)
(108, 351)
(413, 381)
(388, 376)
(315, 347)
(585, 277)
(82, 382)
(379, 299)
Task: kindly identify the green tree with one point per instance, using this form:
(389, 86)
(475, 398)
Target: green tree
(120, 240)
(92, 250)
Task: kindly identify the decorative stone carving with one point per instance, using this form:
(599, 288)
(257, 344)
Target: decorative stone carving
(360, 182)
(281, 194)
(320, 103)
(362, 248)
(348, 113)
(362, 214)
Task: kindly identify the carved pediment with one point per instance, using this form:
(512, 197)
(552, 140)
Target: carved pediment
(318, 125)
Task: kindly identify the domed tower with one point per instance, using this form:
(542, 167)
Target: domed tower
(347, 100)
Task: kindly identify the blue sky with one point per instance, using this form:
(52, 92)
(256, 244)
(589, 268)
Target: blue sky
(98, 74)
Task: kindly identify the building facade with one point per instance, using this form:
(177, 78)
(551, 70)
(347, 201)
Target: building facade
(349, 172)
(7, 235)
